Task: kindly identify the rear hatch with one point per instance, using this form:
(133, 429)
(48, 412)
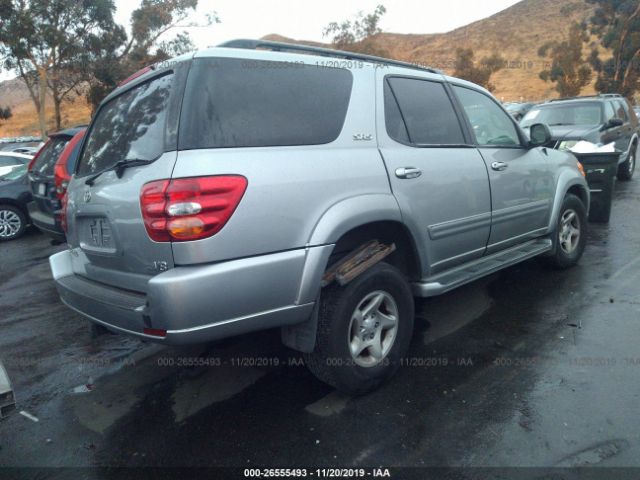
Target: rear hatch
(138, 122)
(41, 174)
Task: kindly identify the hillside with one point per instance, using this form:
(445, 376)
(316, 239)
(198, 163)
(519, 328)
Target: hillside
(516, 33)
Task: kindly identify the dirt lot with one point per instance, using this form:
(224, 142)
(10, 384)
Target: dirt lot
(530, 367)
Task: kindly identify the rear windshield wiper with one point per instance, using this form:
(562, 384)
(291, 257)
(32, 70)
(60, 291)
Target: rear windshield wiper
(119, 168)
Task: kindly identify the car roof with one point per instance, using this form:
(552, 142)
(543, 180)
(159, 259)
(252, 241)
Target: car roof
(573, 101)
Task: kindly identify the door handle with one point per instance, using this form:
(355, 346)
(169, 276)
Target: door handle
(408, 172)
(499, 166)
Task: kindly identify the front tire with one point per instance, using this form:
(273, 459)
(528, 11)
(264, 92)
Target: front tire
(364, 329)
(570, 236)
(626, 169)
(13, 222)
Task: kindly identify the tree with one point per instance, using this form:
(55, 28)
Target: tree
(43, 41)
(357, 35)
(465, 67)
(568, 70)
(617, 24)
(118, 55)
(5, 113)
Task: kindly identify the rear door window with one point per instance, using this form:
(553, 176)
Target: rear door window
(49, 155)
(427, 112)
(249, 103)
(130, 126)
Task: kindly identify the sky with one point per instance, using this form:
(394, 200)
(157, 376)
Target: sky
(305, 19)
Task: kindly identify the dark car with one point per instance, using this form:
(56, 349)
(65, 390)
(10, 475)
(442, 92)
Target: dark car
(518, 110)
(601, 120)
(49, 174)
(14, 197)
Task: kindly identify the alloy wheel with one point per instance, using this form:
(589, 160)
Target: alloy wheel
(373, 329)
(10, 223)
(569, 234)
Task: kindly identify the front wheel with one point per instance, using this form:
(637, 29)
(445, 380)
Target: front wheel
(13, 222)
(626, 169)
(570, 236)
(364, 329)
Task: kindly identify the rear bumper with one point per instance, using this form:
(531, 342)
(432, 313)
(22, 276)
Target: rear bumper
(48, 224)
(202, 303)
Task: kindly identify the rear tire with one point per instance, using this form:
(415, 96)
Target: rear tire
(626, 169)
(364, 329)
(570, 235)
(13, 222)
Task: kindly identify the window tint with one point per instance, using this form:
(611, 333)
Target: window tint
(491, 125)
(248, 103)
(609, 112)
(396, 128)
(427, 111)
(620, 111)
(49, 155)
(130, 126)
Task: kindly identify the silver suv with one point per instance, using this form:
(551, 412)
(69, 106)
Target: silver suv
(260, 185)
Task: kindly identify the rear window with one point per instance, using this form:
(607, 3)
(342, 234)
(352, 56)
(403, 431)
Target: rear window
(49, 155)
(130, 126)
(249, 103)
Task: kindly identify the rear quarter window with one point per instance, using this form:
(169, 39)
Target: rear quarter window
(248, 103)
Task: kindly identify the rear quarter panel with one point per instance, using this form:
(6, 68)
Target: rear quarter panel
(289, 188)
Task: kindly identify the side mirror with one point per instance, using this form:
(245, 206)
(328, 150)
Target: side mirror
(539, 135)
(612, 123)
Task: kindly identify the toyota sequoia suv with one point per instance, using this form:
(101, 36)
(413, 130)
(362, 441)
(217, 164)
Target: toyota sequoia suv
(259, 185)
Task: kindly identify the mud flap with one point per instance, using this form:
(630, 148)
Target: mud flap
(302, 336)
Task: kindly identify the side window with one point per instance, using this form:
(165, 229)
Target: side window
(253, 103)
(8, 161)
(426, 110)
(396, 128)
(609, 112)
(620, 111)
(491, 125)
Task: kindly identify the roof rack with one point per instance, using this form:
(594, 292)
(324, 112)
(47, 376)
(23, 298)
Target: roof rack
(601, 95)
(325, 52)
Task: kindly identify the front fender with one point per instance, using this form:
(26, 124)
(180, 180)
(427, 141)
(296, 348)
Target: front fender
(567, 179)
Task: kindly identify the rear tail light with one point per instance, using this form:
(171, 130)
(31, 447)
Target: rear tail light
(185, 209)
(60, 179)
(63, 212)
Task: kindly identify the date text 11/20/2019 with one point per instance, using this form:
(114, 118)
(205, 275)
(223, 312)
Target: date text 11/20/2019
(317, 473)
